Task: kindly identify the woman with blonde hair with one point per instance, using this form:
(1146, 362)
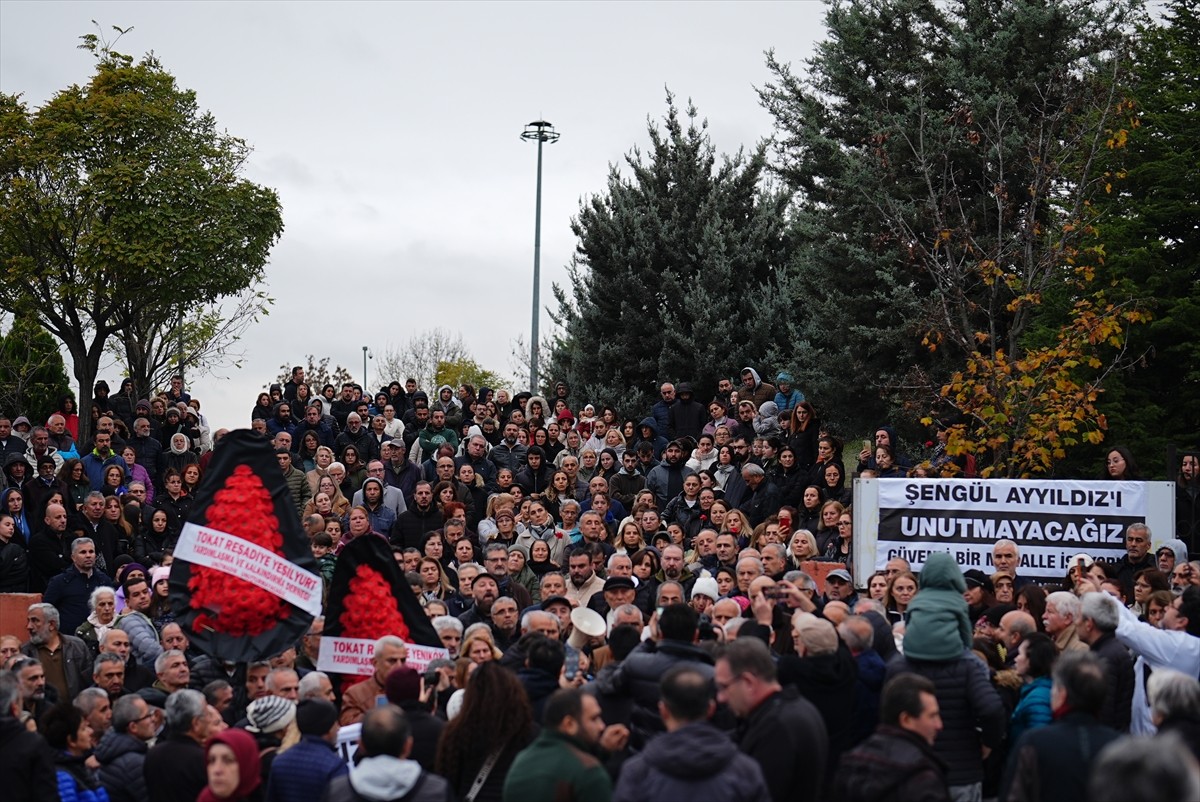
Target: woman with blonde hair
(322, 459)
(827, 529)
(328, 486)
(803, 547)
(717, 513)
(496, 502)
(738, 525)
(479, 647)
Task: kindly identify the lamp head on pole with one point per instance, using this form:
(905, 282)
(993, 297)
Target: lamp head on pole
(540, 131)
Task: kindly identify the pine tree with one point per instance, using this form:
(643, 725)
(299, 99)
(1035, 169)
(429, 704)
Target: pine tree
(678, 274)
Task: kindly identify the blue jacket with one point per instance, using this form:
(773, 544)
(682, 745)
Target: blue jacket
(94, 466)
(69, 592)
(786, 403)
(1032, 710)
(71, 789)
(302, 772)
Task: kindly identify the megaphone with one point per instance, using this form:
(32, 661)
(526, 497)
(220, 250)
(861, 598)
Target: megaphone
(585, 624)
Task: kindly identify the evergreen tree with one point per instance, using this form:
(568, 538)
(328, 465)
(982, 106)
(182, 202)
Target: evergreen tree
(32, 373)
(1147, 221)
(678, 274)
(942, 157)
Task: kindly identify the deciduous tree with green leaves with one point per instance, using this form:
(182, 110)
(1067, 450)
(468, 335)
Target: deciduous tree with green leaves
(121, 205)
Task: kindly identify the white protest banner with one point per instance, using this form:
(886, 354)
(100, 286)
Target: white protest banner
(346, 656)
(260, 567)
(353, 656)
(1050, 521)
(419, 657)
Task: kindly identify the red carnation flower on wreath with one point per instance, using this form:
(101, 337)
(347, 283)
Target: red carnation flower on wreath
(370, 612)
(370, 608)
(242, 508)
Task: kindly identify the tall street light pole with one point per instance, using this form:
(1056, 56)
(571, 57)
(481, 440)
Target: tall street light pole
(539, 131)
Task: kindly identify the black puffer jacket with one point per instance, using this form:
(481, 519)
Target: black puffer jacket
(1118, 666)
(697, 761)
(829, 682)
(122, 758)
(638, 676)
(893, 765)
(786, 737)
(972, 713)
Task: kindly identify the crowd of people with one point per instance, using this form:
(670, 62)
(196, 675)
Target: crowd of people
(646, 607)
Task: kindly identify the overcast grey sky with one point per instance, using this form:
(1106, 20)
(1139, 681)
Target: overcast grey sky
(391, 132)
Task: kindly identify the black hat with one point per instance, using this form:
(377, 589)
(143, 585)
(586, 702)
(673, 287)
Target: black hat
(555, 600)
(619, 583)
(978, 579)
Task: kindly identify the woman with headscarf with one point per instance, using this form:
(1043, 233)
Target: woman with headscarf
(234, 768)
(179, 455)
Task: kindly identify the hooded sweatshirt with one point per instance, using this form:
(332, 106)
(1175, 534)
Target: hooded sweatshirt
(766, 421)
(939, 628)
(655, 439)
(1177, 546)
(384, 777)
(763, 391)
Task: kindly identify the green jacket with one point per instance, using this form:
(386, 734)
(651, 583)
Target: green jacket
(557, 768)
(938, 628)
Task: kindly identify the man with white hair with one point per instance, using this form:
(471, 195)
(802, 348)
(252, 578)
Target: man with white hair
(93, 703)
(285, 683)
(173, 674)
(1097, 628)
(1060, 619)
(174, 768)
(450, 631)
(1006, 559)
(389, 652)
(316, 685)
(1174, 702)
(65, 659)
(825, 673)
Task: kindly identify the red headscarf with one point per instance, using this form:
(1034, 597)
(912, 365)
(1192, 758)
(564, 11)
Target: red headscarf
(246, 751)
